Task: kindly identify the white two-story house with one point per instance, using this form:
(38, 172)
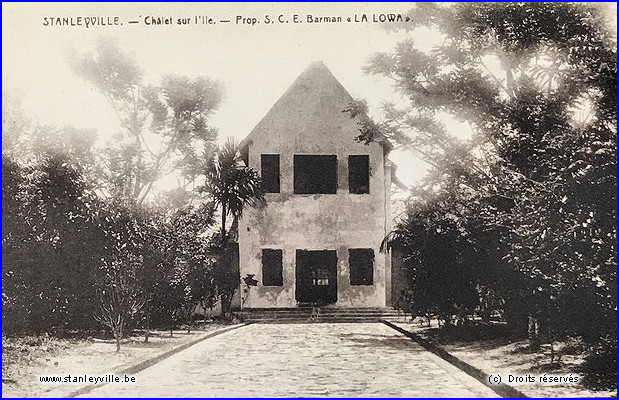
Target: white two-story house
(317, 240)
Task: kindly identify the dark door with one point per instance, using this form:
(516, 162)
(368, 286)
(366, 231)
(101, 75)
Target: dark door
(316, 277)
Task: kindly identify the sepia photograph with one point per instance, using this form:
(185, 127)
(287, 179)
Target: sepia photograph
(294, 199)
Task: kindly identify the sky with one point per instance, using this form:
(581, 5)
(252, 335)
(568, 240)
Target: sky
(256, 63)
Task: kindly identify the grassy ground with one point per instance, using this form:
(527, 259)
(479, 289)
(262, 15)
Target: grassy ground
(24, 359)
(504, 356)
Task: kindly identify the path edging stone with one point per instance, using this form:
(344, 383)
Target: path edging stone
(501, 389)
(134, 369)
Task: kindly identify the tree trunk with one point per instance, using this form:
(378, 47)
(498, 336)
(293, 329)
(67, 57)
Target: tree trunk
(147, 333)
(147, 328)
(509, 76)
(224, 211)
(533, 331)
(118, 330)
(137, 188)
(224, 255)
(117, 336)
(203, 305)
(225, 305)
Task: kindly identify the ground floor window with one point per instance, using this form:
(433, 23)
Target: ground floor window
(272, 271)
(361, 264)
(312, 267)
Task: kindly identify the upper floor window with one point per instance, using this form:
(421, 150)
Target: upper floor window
(269, 172)
(315, 174)
(359, 174)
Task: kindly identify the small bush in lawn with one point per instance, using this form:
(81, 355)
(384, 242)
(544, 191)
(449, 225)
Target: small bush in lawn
(573, 346)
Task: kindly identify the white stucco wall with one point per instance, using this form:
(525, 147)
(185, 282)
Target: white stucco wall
(308, 120)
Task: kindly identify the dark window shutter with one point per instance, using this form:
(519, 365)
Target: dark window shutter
(361, 263)
(359, 174)
(269, 172)
(272, 271)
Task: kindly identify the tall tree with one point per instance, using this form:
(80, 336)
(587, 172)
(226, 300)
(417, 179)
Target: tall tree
(177, 272)
(121, 295)
(536, 85)
(164, 128)
(232, 186)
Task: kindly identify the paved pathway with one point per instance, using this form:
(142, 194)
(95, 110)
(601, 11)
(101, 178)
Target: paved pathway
(302, 360)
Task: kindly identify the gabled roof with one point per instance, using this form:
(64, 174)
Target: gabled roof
(316, 74)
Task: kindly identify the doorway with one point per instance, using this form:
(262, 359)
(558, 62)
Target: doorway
(316, 277)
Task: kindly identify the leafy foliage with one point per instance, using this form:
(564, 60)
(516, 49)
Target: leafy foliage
(69, 256)
(177, 274)
(80, 245)
(165, 127)
(15, 126)
(535, 83)
(232, 186)
(46, 274)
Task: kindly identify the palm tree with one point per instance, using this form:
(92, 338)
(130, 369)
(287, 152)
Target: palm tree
(233, 186)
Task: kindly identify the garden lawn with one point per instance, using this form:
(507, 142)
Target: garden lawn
(25, 359)
(501, 356)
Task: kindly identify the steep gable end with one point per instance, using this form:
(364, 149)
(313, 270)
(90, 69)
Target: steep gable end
(312, 106)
